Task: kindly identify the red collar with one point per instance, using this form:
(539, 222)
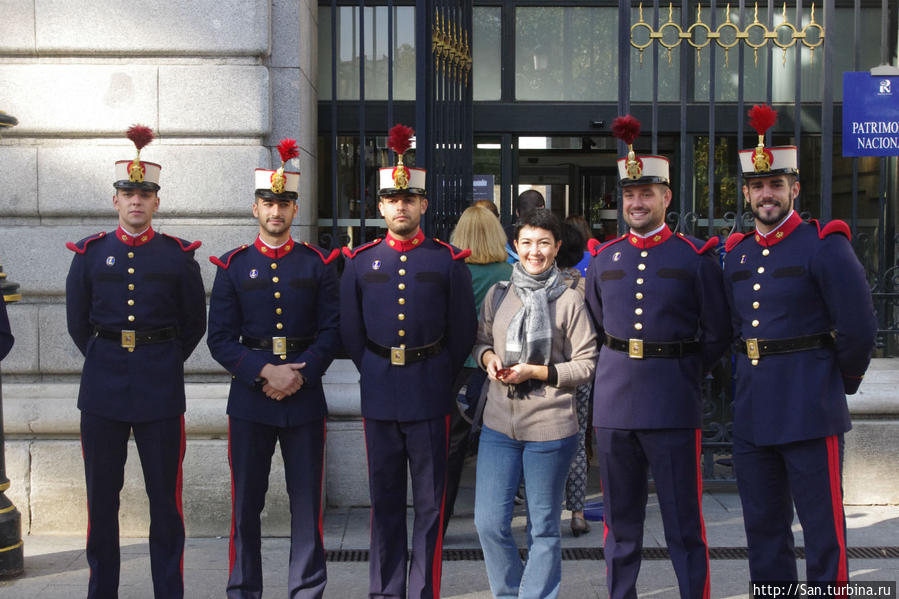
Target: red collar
(781, 233)
(644, 243)
(402, 245)
(274, 252)
(132, 240)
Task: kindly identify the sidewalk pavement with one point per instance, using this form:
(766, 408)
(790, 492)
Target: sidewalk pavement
(55, 566)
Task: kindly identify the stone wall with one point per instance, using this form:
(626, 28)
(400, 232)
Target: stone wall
(221, 82)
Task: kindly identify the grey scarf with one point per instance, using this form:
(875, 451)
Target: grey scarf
(529, 336)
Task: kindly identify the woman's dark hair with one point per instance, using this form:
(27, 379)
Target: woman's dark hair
(573, 244)
(540, 218)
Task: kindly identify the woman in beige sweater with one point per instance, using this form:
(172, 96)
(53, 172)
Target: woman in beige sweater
(537, 345)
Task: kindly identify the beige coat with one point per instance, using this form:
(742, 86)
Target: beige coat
(548, 413)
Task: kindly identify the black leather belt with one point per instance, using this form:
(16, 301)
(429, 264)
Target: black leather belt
(278, 345)
(131, 339)
(756, 348)
(400, 356)
(637, 348)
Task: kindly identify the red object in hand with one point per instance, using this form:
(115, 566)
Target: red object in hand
(503, 373)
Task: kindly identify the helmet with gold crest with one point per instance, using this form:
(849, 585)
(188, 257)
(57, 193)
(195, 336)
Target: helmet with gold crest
(763, 161)
(137, 173)
(279, 183)
(399, 179)
(637, 169)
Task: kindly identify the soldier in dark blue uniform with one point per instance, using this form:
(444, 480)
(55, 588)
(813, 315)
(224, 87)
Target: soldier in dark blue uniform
(136, 309)
(804, 318)
(657, 300)
(6, 337)
(273, 326)
(408, 321)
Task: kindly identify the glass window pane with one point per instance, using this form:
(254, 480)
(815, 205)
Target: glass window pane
(375, 53)
(487, 52)
(566, 54)
(641, 74)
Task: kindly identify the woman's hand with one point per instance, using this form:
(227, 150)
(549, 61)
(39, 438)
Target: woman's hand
(520, 373)
(492, 364)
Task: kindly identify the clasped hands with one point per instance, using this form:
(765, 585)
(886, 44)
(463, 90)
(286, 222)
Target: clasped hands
(513, 375)
(282, 380)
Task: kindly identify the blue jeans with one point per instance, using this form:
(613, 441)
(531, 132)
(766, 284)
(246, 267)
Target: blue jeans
(501, 463)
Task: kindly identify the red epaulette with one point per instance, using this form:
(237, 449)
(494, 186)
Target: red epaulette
(834, 226)
(734, 239)
(326, 259)
(598, 246)
(351, 253)
(225, 260)
(712, 242)
(455, 252)
(81, 246)
(185, 245)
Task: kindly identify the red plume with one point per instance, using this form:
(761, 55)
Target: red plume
(288, 149)
(141, 135)
(626, 128)
(400, 138)
(761, 118)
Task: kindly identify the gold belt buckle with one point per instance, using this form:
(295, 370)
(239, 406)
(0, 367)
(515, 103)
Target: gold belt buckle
(635, 348)
(752, 349)
(128, 340)
(279, 346)
(398, 356)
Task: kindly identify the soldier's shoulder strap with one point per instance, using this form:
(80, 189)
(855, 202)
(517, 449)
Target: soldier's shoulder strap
(595, 246)
(708, 245)
(834, 226)
(79, 247)
(455, 252)
(185, 245)
(351, 253)
(734, 240)
(320, 252)
(225, 261)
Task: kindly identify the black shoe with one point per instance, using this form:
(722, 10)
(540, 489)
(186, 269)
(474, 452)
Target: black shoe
(579, 526)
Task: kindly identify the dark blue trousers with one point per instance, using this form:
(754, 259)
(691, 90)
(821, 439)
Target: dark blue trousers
(773, 478)
(160, 444)
(390, 445)
(625, 458)
(250, 449)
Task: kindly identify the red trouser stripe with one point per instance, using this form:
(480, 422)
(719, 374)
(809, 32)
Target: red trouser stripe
(178, 486)
(232, 551)
(706, 590)
(836, 499)
(438, 550)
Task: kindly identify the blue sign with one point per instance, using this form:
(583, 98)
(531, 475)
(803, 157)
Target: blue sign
(870, 115)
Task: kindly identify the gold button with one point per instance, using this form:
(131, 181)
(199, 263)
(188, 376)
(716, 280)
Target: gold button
(403, 258)
(277, 295)
(639, 281)
(275, 279)
(401, 286)
(402, 271)
(403, 345)
(755, 362)
(765, 252)
(130, 271)
(756, 287)
(130, 286)
(283, 357)
(761, 269)
(274, 265)
(130, 350)
(401, 316)
(401, 301)
(641, 267)
(638, 295)
(401, 333)
(131, 254)
(638, 311)
(131, 318)
(644, 253)
(638, 325)
(755, 305)
(755, 323)
(279, 326)
(130, 302)
(278, 310)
